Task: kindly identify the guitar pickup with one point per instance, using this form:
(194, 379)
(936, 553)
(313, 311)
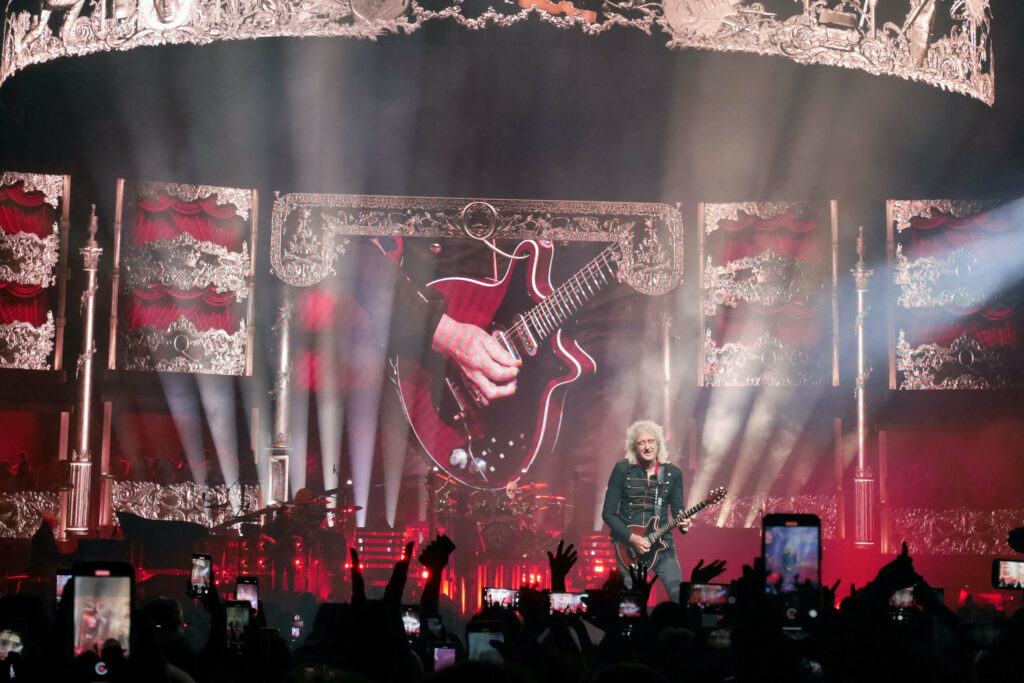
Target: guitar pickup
(525, 337)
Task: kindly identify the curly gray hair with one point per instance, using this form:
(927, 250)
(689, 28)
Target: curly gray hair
(648, 427)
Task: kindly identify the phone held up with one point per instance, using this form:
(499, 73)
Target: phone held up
(101, 612)
(1008, 574)
(239, 613)
(479, 635)
(791, 547)
(248, 588)
(200, 575)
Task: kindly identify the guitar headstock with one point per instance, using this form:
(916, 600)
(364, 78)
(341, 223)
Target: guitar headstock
(715, 495)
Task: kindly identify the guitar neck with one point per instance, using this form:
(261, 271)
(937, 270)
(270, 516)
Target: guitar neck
(674, 522)
(547, 316)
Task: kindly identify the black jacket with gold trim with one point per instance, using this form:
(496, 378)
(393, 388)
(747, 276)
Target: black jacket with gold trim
(631, 498)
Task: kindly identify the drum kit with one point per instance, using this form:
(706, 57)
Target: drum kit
(506, 520)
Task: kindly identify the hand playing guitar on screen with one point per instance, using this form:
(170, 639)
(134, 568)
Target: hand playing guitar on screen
(481, 357)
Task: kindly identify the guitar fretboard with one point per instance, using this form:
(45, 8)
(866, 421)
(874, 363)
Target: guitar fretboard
(548, 316)
(686, 514)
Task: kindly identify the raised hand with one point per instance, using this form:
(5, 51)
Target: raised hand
(358, 583)
(702, 574)
(561, 563)
(481, 357)
(638, 573)
(435, 554)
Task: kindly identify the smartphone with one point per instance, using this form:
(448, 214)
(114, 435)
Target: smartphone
(102, 606)
(199, 578)
(709, 597)
(629, 605)
(12, 637)
(791, 547)
(411, 620)
(297, 625)
(1008, 574)
(567, 603)
(902, 604)
(479, 635)
(501, 597)
(248, 588)
(63, 576)
(444, 656)
(238, 614)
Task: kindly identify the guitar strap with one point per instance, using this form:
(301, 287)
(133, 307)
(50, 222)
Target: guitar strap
(658, 499)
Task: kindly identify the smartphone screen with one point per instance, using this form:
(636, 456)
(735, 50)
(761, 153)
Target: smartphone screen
(791, 545)
(444, 656)
(501, 597)
(792, 552)
(629, 606)
(706, 595)
(411, 620)
(11, 641)
(247, 588)
(202, 569)
(297, 625)
(63, 576)
(237, 621)
(102, 608)
(1008, 574)
(479, 642)
(567, 603)
(902, 599)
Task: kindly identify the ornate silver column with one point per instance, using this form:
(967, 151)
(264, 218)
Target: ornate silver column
(81, 458)
(863, 481)
(280, 442)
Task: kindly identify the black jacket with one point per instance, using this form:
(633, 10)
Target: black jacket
(631, 498)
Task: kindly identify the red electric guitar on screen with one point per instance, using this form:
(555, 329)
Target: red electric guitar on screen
(488, 446)
(653, 533)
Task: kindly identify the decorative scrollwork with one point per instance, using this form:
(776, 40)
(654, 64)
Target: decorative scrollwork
(52, 186)
(26, 347)
(768, 279)
(241, 199)
(183, 348)
(742, 511)
(183, 501)
(25, 259)
(960, 531)
(716, 213)
(828, 32)
(904, 210)
(960, 279)
(964, 364)
(765, 363)
(185, 263)
(308, 230)
(22, 511)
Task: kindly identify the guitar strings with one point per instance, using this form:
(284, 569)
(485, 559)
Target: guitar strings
(574, 285)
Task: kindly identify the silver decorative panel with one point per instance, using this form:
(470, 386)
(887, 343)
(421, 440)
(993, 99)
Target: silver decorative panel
(183, 348)
(22, 511)
(183, 502)
(960, 531)
(830, 32)
(309, 231)
(26, 347)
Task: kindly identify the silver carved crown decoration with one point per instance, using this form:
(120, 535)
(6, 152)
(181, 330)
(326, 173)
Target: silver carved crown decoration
(907, 38)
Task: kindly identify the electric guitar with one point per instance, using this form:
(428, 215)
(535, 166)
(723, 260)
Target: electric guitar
(653, 533)
(488, 446)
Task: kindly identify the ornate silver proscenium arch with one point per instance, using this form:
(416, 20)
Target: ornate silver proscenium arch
(831, 32)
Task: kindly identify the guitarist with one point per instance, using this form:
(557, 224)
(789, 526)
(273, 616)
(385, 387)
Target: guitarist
(640, 487)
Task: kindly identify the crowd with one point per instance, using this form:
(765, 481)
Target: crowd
(363, 639)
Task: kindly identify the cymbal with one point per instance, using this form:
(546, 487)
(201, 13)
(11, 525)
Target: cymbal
(534, 485)
(349, 509)
(557, 499)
